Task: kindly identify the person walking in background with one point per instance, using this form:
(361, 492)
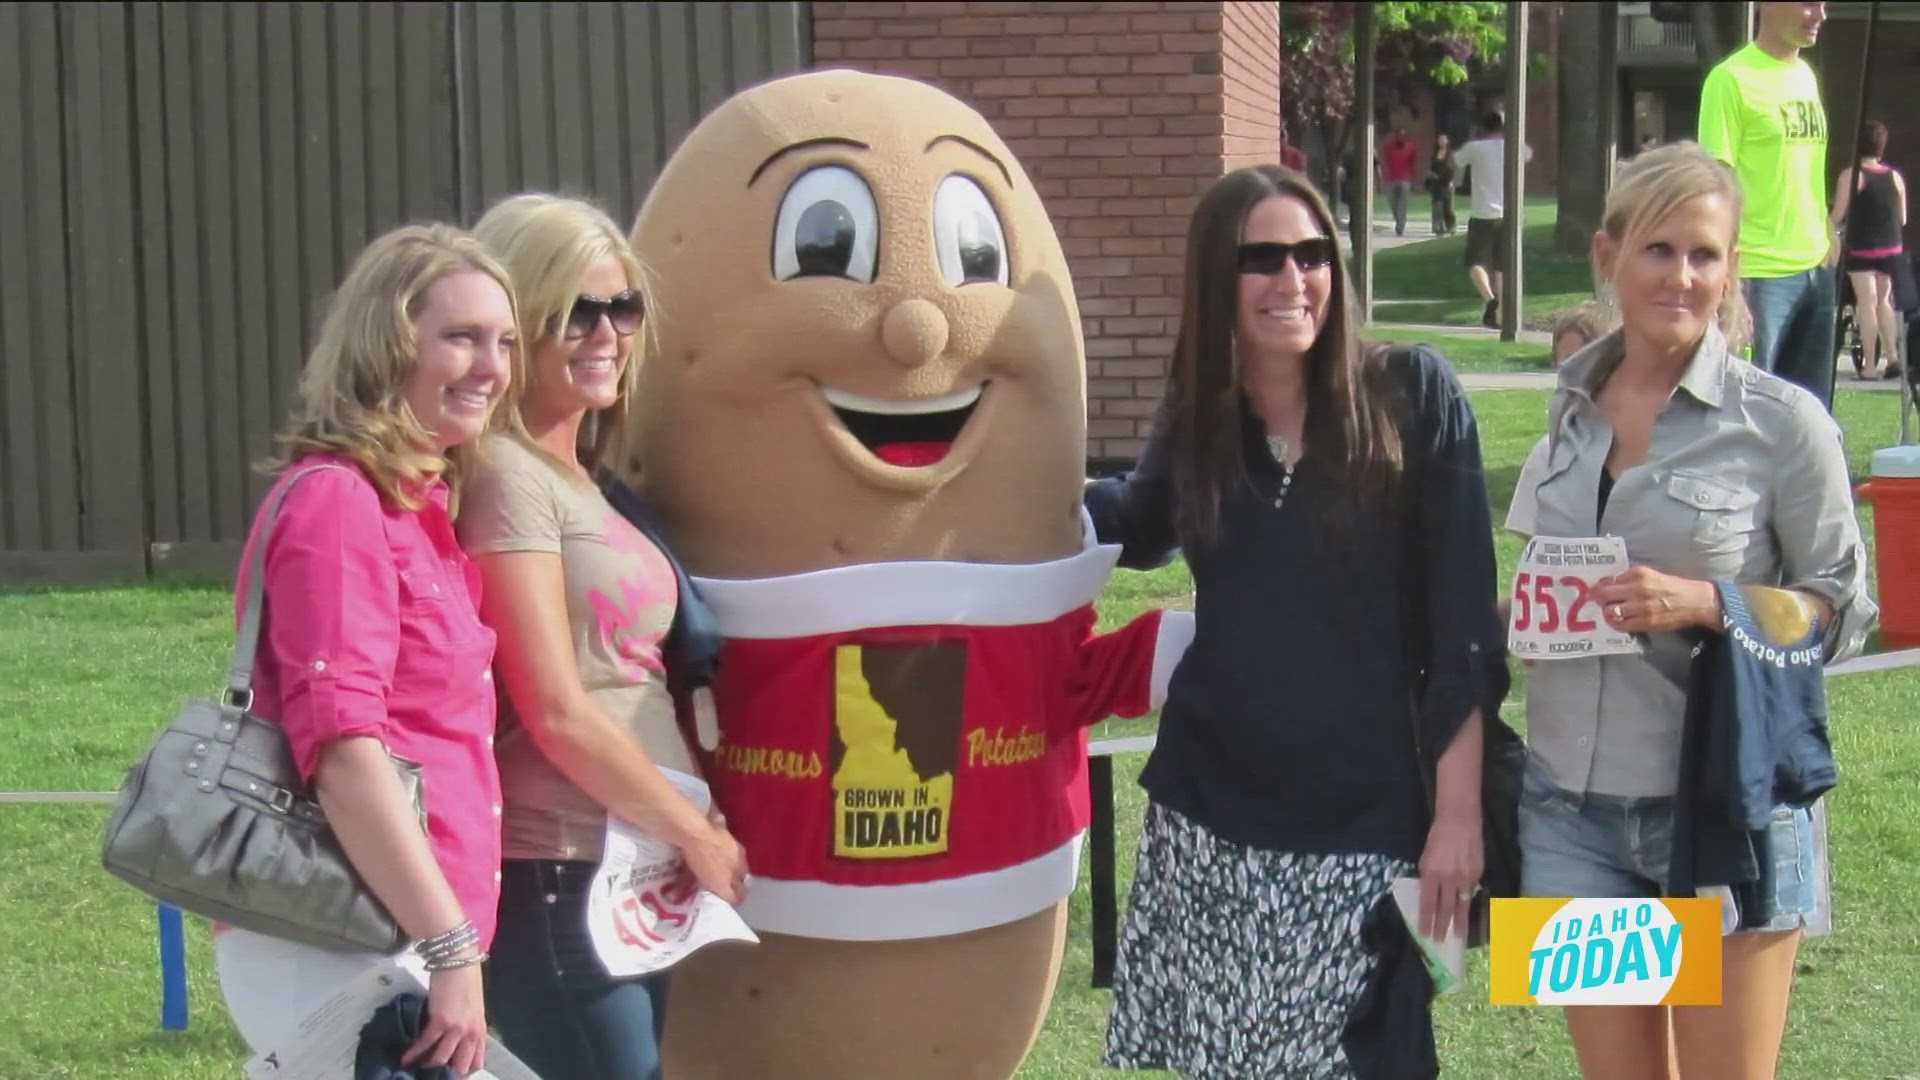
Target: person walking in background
(1870, 212)
(1760, 112)
(1440, 180)
(1488, 236)
(1399, 159)
(1291, 155)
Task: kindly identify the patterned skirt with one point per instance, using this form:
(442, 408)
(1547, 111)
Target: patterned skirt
(1240, 963)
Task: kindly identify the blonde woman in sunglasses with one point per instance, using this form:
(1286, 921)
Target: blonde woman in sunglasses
(582, 602)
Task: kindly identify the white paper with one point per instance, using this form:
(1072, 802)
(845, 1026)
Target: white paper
(1553, 614)
(324, 1046)
(645, 912)
(1447, 958)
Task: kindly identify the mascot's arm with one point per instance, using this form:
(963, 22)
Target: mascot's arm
(1125, 673)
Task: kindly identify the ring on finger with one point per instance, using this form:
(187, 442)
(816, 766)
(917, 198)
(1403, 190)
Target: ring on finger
(1666, 604)
(1617, 614)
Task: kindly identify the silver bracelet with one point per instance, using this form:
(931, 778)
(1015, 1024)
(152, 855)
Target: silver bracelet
(456, 962)
(454, 941)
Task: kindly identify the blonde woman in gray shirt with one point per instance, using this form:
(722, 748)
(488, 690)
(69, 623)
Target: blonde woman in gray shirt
(1710, 470)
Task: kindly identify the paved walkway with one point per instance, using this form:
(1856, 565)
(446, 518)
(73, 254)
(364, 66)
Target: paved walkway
(1544, 380)
(1529, 337)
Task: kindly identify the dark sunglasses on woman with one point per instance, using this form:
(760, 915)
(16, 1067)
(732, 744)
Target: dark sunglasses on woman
(623, 310)
(1313, 253)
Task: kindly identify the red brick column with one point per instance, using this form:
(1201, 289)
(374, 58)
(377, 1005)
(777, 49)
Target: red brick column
(1122, 113)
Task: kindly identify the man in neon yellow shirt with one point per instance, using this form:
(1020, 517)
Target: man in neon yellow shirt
(1760, 113)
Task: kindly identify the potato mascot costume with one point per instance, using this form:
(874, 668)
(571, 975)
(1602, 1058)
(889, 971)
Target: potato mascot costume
(864, 423)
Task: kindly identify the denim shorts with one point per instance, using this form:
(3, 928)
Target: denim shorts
(1608, 845)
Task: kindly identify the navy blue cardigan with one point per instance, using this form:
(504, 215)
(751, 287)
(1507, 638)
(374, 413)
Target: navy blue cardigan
(1755, 737)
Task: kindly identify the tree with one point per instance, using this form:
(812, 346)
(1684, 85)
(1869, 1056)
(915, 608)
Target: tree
(1441, 44)
(1584, 91)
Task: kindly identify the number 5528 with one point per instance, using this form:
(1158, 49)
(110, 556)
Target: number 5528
(1537, 603)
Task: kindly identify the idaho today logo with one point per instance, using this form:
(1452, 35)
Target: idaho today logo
(1554, 951)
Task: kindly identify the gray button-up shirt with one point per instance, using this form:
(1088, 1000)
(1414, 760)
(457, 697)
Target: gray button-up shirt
(1745, 480)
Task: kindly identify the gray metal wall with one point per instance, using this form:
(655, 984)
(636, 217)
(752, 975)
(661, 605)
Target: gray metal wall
(181, 184)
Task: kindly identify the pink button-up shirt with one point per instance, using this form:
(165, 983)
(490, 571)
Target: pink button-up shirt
(373, 629)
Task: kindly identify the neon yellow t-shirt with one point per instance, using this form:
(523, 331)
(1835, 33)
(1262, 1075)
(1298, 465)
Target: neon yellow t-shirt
(1763, 116)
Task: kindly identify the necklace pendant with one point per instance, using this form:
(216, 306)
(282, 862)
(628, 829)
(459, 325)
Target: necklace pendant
(1278, 446)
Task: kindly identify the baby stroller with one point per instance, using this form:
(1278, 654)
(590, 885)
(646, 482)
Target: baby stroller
(1909, 379)
(1846, 323)
(1847, 342)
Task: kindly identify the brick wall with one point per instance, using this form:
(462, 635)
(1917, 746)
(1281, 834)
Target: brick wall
(1122, 113)
(1250, 45)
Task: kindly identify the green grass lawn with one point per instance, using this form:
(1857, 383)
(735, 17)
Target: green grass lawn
(89, 675)
(1426, 282)
(1477, 351)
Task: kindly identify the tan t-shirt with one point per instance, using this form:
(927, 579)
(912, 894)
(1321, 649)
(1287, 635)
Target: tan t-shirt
(621, 597)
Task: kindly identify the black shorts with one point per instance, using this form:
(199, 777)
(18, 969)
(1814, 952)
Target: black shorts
(1860, 264)
(1487, 242)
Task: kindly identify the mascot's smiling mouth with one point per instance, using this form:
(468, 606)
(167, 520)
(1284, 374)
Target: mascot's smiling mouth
(907, 434)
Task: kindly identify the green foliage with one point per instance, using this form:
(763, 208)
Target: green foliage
(1440, 40)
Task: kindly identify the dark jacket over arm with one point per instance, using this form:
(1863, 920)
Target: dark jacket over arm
(1460, 641)
(1136, 510)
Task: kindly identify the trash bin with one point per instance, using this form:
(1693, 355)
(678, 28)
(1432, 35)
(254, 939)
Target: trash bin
(1893, 487)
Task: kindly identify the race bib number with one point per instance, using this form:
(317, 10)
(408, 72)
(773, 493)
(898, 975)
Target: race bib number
(645, 912)
(1554, 614)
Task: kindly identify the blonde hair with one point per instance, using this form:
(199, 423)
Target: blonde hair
(548, 243)
(351, 399)
(1649, 188)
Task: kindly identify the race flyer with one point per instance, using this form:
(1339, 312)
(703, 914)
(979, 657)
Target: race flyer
(645, 912)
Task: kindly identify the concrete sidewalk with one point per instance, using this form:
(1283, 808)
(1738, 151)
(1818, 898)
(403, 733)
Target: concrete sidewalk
(1527, 337)
(1544, 380)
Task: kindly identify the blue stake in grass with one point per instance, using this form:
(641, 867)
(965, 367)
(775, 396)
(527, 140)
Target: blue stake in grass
(173, 969)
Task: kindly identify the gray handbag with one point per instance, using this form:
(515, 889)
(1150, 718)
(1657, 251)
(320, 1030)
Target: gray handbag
(215, 819)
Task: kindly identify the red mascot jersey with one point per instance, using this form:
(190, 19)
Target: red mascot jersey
(903, 745)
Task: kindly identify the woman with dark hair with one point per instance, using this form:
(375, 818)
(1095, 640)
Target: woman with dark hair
(1329, 500)
(1870, 205)
(1440, 172)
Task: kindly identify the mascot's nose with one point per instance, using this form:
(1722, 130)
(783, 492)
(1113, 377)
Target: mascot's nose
(914, 332)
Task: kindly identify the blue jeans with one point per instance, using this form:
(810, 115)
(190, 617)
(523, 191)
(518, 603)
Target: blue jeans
(1612, 846)
(1793, 334)
(549, 998)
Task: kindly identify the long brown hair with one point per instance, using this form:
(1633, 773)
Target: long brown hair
(1350, 431)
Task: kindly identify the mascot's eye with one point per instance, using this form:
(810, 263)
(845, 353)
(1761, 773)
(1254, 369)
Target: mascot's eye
(967, 235)
(827, 227)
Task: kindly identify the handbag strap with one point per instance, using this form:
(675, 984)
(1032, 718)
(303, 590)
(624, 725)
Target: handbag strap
(246, 642)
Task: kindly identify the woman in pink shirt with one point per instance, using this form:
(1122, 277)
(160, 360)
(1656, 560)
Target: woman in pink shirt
(372, 641)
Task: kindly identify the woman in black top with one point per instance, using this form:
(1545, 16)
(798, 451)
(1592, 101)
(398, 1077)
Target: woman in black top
(1871, 201)
(1440, 186)
(1330, 503)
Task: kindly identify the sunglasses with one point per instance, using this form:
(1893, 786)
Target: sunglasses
(623, 310)
(1314, 253)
